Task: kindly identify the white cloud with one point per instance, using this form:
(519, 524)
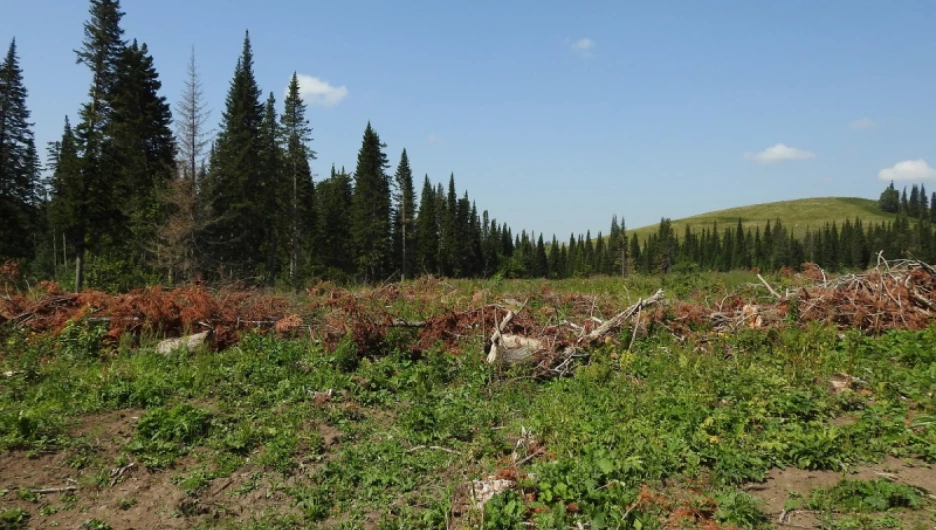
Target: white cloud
(779, 153)
(908, 170)
(862, 124)
(316, 92)
(433, 139)
(583, 46)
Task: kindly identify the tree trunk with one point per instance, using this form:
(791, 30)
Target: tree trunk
(79, 268)
(294, 262)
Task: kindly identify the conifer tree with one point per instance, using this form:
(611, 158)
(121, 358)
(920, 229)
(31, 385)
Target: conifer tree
(297, 136)
(234, 185)
(449, 230)
(19, 165)
(554, 259)
(427, 230)
(333, 233)
(141, 149)
(186, 215)
(274, 191)
(404, 215)
(67, 214)
(95, 201)
(370, 213)
(192, 137)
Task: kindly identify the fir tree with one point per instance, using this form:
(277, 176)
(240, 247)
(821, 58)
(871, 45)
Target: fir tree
(333, 233)
(449, 230)
(234, 185)
(97, 202)
(427, 230)
(370, 212)
(19, 166)
(274, 195)
(67, 208)
(297, 136)
(404, 214)
(141, 149)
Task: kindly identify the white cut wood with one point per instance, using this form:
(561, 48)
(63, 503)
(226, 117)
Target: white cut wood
(189, 341)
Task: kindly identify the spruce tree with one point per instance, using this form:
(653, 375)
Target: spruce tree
(234, 185)
(427, 230)
(140, 149)
(97, 203)
(67, 208)
(370, 212)
(404, 214)
(462, 246)
(449, 231)
(333, 232)
(19, 167)
(298, 134)
(274, 194)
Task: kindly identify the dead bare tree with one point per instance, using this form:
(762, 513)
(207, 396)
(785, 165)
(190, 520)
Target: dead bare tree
(176, 245)
(192, 135)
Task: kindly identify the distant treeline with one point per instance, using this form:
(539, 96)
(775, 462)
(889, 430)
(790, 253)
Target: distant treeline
(834, 247)
(135, 194)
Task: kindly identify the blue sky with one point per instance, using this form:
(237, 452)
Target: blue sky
(556, 115)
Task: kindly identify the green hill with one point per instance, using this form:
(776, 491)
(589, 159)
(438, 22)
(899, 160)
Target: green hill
(798, 215)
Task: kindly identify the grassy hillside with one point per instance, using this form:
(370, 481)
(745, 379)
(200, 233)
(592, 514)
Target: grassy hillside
(798, 215)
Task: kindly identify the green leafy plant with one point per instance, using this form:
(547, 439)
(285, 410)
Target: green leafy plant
(165, 433)
(859, 496)
(13, 519)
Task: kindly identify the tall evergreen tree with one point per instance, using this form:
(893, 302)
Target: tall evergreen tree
(235, 180)
(404, 214)
(298, 135)
(67, 205)
(427, 230)
(19, 166)
(333, 239)
(96, 202)
(274, 194)
(449, 230)
(140, 149)
(370, 212)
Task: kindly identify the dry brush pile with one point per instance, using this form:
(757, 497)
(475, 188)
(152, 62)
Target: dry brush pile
(548, 329)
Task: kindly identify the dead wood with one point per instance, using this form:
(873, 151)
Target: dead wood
(46, 491)
(557, 357)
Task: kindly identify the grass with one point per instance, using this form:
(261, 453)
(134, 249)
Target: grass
(797, 215)
(665, 434)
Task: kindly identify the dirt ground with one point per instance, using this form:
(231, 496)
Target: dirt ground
(780, 483)
(135, 498)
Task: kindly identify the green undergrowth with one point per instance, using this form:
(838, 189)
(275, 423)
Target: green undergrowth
(344, 439)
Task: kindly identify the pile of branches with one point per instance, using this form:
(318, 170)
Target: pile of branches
(152, 310)
(549, 331)
(898, 294)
